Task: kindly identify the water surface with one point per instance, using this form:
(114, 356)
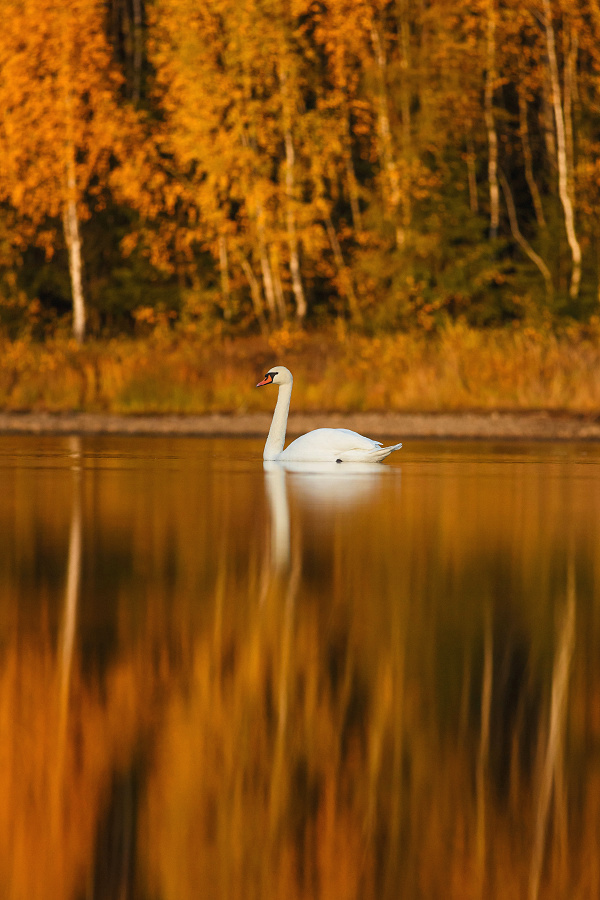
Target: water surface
(224, 680)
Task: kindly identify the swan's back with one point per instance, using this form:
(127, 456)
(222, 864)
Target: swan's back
(336, 444)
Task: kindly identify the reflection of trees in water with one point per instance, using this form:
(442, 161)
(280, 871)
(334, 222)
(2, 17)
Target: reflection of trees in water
(67, 635)
(296, 745)
(551, 776)
(351, 787)
(64, 736)
(333, 770)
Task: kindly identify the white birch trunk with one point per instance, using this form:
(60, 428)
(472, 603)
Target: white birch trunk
(405, 68)
(254, 293)
(275, 270)
(265, 266)
(561, 155)
(267, 278)
(385, 135)
(73, 241)
(290, 161)
(297, 287)
(568, 94)
(489, 122)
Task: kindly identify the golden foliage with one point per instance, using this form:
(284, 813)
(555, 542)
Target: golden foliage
(286, 151)
(58, 98)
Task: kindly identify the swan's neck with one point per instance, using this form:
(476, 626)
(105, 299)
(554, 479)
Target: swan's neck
(276, 436)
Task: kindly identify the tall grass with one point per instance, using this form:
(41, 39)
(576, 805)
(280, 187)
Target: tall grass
(458, 368)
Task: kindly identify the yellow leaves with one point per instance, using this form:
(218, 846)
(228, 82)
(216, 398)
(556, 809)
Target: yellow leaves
(58, 96)
(288, 337)
(268, 116)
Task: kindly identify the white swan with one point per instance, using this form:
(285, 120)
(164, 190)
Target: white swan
(323, 444)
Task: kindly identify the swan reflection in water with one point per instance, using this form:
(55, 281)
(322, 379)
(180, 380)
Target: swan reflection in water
(326, 485)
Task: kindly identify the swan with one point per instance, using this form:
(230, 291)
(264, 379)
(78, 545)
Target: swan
(323, 444)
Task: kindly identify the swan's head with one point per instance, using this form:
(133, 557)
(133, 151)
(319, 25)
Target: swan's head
(277, 375)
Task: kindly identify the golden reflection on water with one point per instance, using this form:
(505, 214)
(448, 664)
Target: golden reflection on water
(220, 679)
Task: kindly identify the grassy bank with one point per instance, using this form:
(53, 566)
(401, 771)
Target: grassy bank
(458, 368)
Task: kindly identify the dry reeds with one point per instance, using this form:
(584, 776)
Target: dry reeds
(458, 368)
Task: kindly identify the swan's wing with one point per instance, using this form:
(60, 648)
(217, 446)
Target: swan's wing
(336, 443)
(345, 439)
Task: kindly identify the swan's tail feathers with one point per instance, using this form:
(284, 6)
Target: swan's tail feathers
(372, 454)
(381, 452)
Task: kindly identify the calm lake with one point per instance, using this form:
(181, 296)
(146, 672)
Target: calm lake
(220, 681)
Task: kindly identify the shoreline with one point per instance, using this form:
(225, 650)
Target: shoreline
(537, 425)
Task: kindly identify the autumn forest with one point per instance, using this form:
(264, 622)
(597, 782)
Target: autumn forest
(238, 168)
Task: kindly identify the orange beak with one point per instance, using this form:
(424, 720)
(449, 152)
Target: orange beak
(268, 379)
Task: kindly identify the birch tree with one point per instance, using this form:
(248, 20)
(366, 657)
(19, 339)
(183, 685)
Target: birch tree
(290, 188)
(490, 80)
(58, 122)
(564, 174)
